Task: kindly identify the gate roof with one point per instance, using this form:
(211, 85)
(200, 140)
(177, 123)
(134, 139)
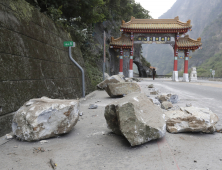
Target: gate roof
(188, 43)
(156, 25)
(122, 42)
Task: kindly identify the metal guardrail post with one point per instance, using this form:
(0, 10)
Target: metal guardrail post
(83, 76)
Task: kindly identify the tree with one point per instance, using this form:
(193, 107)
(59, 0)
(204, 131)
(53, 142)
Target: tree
(90, 11)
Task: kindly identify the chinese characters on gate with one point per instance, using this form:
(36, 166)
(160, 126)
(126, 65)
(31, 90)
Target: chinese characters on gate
(154, 39)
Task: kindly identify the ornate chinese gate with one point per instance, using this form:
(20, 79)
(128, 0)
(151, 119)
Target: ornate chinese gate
(159, 31)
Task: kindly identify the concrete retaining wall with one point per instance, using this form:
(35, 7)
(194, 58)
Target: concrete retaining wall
(33, 61)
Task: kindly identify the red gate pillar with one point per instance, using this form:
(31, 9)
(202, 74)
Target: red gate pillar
(121, 62)
(131, 64)
(185, 74)
(175, 72)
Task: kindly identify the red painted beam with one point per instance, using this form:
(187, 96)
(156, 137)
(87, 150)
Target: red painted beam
(181, 31)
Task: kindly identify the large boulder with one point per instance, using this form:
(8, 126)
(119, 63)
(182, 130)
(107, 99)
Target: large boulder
(120, 89)
(191, 119)
(44, 118)
(113, 79)
(136, 118)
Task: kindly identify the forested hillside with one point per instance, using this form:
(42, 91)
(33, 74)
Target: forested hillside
(86, 20)
(205, 18)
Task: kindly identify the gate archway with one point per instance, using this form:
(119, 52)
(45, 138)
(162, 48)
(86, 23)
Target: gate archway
(159, 31)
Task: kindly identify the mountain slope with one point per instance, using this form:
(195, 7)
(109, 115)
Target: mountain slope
(202, 14)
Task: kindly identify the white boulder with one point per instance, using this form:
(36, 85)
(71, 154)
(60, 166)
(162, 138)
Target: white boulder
(43, 118)
(113, 79)
(120, 89)
(191, 119)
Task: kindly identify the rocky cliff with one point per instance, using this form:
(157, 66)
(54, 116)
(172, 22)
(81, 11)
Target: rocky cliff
(205, 18)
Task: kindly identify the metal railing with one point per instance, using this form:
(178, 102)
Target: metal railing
(83, 76)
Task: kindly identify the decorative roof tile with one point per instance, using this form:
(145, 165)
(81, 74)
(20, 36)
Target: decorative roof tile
(186, 41)
(155, 24)
(124, 40)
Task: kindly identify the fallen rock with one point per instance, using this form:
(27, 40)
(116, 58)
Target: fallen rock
(162, 98)
(155, 101)
(169, 95)
(43, 141)
(52, 164)
(8, 136)
(154, 93)
(173, 98)
(150, 86)
(113, 79)
(92, 106)
(43, 118)
(191, 119)
(37, 150)
(136, 118)
(166, 105)
(121, 89)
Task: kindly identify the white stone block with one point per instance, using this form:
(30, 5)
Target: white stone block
(175, 76)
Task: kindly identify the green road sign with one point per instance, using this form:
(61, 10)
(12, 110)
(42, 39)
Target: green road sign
(69, 44)
(210, 70)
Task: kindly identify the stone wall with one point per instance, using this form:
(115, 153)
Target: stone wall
(33, 61)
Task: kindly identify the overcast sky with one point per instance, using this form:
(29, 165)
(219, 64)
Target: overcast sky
(156, 7)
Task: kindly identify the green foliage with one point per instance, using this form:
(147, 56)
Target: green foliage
(90, 11)
(144, 62)
(139, 11)
(94, 74)
(214, 63)
(180, 73)
(124, 9)
(55, 13)
(22, 9)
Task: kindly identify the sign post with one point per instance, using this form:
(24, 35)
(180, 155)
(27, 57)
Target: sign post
(210, 72)
(104, 54)
(71, 44)
(213, 73)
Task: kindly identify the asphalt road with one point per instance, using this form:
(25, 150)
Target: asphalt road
(200, 94)
(92, 146)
